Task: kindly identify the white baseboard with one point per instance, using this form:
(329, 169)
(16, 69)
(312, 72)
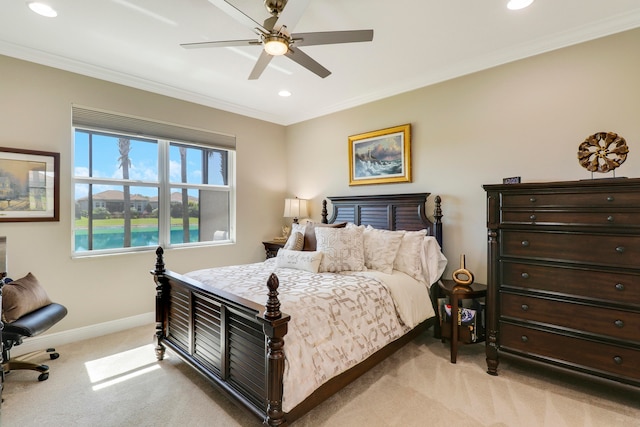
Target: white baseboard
(42, 342)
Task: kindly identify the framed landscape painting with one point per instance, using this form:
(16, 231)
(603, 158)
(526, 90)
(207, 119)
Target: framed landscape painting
(29, 185)
(380, 157)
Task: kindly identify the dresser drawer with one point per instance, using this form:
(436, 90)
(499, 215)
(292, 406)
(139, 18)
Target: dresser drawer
(622, 288)
(612, 323)
(619, 361)
(592, 249)
(602, 218)
(581, 200)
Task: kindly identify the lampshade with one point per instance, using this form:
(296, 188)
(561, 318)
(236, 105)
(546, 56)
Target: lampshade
(275, 45)
(295, 208)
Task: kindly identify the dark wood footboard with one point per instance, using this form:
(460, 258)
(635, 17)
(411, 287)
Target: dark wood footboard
(235, 343)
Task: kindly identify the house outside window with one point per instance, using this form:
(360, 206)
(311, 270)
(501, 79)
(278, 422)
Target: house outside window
(176, 192)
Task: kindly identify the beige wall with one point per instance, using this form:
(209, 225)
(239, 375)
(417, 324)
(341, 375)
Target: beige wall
(523, 119)
(35, 102)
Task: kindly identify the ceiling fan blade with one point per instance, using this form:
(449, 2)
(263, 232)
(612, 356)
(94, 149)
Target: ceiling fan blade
(332, 37)
(226, 43)
(291, 14)
(296, 55)
(262, 63)
(238, 15)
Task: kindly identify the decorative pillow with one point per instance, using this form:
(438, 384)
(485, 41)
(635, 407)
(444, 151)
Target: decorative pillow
(342, 248)
(381, 248)
(21, 297)
(408, 260)
(310, 234)
(299, 260)
(295, 228)
(295, 242)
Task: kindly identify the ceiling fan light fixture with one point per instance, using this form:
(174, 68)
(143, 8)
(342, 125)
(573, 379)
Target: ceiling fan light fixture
(275, 45)
(518, 4)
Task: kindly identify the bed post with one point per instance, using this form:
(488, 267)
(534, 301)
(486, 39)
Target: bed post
(324, 212)
(158, 276)
(437, 217)
(275, 328)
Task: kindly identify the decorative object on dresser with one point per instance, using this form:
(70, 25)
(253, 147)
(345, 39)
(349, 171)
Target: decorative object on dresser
(602, 152)
(380, 157)
(564, 276)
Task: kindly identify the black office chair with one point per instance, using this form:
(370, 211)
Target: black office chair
(30, 325)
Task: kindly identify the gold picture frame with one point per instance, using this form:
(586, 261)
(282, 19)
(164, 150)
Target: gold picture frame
(380, 157)
(29, 185)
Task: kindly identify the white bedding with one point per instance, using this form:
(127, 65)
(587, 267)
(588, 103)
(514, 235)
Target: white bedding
(337, 319)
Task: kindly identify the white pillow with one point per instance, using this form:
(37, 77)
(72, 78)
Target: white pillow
(342, 249)
(433, 260)
(299, 260)
(381, 248)
(409, 257)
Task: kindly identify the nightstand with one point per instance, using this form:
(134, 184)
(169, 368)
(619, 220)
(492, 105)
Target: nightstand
(453, 330)
(271, 248)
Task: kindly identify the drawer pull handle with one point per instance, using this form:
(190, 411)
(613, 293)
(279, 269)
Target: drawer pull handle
(610, 218)
(524, 338)
(524, 307)
(532, 199)
(610, 199)
(619, 287)
(617, 360)
(619, 323)
(620, 249)
(525, 243)
(532, 217)
(525, 275)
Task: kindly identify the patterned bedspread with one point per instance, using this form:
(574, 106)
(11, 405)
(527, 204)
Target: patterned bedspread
(337, 320)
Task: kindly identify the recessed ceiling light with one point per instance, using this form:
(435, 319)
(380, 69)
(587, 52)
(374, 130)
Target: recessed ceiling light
(518, 4)
(42, 9)
(284, 93)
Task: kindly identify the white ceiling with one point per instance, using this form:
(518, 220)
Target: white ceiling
(416, 43)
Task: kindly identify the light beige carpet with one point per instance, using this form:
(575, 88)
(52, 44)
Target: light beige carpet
(116, 381)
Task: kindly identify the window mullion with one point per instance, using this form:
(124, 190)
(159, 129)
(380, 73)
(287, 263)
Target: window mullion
(164, 195)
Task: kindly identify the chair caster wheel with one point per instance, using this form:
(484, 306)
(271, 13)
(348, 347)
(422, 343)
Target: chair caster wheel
(43, 377)
(52, 353)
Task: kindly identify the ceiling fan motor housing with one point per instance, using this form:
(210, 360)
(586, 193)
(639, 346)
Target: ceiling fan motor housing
(275, 7)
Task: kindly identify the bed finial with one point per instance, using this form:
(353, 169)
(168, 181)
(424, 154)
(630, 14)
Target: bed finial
(159, 261)
(273, 303)
(437, 218)
(324, 212)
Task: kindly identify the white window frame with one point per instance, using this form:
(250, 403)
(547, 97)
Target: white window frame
(164, 186)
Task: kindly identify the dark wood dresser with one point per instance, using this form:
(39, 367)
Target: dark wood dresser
(564, 275)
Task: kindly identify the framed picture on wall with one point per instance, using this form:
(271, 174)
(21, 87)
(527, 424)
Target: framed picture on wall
(381, 156)
(29, 185)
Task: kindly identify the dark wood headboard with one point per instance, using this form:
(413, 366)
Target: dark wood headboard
(387, 212)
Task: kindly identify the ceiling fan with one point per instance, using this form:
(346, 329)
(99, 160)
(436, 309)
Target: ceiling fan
(276, 39)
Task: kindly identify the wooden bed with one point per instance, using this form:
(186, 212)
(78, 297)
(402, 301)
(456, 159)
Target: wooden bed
(239, 345)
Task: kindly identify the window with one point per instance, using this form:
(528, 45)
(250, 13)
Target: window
(172, 186)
